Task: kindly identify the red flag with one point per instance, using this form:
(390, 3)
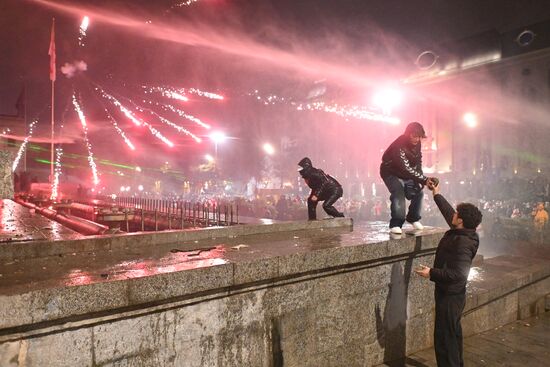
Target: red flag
(51, 52)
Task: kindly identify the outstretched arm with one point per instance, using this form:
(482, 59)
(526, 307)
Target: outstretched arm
(445, 208)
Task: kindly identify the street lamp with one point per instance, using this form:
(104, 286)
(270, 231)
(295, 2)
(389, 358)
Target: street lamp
(217, 137)
(470, 119)
(268, 149)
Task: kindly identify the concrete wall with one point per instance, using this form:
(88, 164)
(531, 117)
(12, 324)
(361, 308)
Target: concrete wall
(6, 176)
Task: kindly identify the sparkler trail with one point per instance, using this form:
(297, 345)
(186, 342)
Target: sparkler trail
(119, 130)
(133, 118)
(185, 3)
(57, 173)
(170, 123)
(181, 113)
(346, 111)
(91, 160)
(166, 92)
(23, 146)
(179, 93)
(82, 30)
(201, 93)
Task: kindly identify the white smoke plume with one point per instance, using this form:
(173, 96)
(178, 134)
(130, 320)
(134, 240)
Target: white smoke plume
(71, 70)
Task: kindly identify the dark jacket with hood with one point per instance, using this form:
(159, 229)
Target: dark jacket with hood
(454, 254)
(403, 160)
(318, 181)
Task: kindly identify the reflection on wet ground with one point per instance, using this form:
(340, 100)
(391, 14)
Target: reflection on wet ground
(85, 268)
(18, 224)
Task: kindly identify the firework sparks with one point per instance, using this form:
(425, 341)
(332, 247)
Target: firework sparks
(201, 93)
(23, 146)
(91, 160)
(82, 31)
(119, 130)
(134, 119)
(185, 3)
(181, 113)
(57, 173)
(170, 123)
(167, 92)
(346, 111)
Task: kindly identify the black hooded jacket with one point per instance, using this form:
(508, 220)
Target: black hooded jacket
(403, 160)
(318, 181)
(454, 254)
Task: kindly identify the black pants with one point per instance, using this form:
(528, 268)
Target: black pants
(448, 331)
(329, 197)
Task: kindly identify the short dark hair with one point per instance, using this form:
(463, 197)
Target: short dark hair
(470, 215)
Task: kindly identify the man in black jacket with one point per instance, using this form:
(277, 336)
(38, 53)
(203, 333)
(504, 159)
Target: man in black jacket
(401, 170)
(453, 259)
(323, 188)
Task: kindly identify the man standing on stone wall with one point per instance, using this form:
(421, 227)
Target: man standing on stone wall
(453, 259)
(401, 170)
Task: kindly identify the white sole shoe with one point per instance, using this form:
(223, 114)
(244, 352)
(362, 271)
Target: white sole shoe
(418, 226)
(396, 230)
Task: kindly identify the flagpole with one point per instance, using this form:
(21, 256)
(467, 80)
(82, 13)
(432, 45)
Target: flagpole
(51, 52)
(52, 159)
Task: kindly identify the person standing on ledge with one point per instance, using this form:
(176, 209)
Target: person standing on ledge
(401, 171)
(453, 259)
(323, 187)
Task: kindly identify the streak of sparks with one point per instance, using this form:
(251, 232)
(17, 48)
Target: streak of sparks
(57, 173)
(119, 130)
(185, 3)
(179, 93)
(134, 119)
(91, 160)
(170, 123)
(201, 93)
(346, 111)
(23, 146)
(167, 92)
(82, 31)
(181, 113)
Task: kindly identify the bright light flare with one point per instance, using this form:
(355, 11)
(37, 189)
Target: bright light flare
(91, 160)
(470, 119)
(209, 158)
(218, 137)
(268, 149)
(82, 31)
(23, 146)
(140, 187)
(387, 100)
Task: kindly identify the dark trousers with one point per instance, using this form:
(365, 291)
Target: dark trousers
(329, 198)
(399, 191)
(448, 331)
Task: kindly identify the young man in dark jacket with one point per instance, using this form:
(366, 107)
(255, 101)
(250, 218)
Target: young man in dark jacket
(453, 259)
(401, 170)
(323, 188)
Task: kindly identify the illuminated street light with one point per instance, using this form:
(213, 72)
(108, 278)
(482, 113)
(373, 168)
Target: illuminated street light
(269, 149)
(387, 100)
(140, 187)
(209, 158)
(470, 119)
(217, 137)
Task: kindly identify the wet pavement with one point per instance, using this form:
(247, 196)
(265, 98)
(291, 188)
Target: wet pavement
(18, 276)
(521, 343)
(19, 224)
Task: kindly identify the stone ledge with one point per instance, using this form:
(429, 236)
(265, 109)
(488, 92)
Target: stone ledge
(62, 303)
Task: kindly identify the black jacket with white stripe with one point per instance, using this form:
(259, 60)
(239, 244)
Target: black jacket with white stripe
(403, 160)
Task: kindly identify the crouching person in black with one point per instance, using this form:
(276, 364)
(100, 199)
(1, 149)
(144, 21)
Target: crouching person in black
(323, 187)
(453, 259)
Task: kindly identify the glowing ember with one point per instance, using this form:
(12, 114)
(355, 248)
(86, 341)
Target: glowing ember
(23, 146)
(91, 160)
(57, 173)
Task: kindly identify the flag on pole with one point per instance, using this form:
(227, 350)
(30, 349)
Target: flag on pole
(51, 52)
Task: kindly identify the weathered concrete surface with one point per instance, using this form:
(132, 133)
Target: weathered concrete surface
(19, 224)
(325, 298)
(6, 175)
(312, 298)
